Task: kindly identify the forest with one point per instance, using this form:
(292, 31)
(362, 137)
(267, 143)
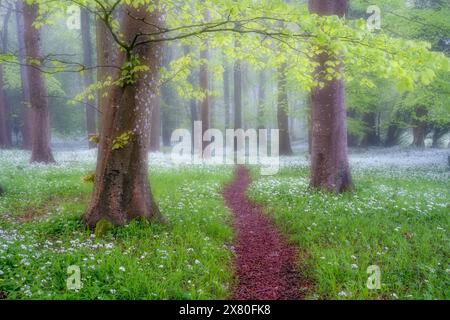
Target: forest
(224, 150)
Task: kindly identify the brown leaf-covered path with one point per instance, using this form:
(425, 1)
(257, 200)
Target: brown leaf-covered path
(265, 263)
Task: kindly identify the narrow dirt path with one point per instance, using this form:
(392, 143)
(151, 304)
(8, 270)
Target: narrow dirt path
(265, 263)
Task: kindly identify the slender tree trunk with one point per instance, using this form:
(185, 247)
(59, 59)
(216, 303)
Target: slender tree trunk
(122, 190)
(330, 168)
(155, 135)
(261, 99)
(25, 111)
(282, 113)
(5, 112)
(40, 128)
(204, 85)
(226, 94)
(237, 75)
(167, 96)
(91, 114)
(193, 110)
(420, 127)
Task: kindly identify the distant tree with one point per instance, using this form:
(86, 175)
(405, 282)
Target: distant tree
(25, 111)
(5, 110)
(282, 112)
(86, 38)
(40, 124)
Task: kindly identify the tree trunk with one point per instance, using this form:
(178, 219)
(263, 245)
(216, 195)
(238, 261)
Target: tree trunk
(226, 94)
(122, 190)
(204, 86)
(5, 117)
(155, 134)
(107, 54)
(330, 168)
(167, 96)
(237, 75)
(25, 111)
(91, 114)
(420, 127)
(192, 103)
(371, 137)
(438, 133)
(40, 116)
(393, 135)
(282, 113)
(5, 112)
(261, 99)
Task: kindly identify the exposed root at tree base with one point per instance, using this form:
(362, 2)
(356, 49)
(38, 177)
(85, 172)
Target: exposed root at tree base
(266, 265)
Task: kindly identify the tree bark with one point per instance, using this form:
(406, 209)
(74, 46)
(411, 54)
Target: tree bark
(329, 168)
(261, 99)
(237, 95)
(167, 96)
(420, 127)
(40, 116)
(193, 110)
(5, 111)
(371, 137)
(204, 86)
(438, 133)
(121, 189)
(107, 55)
(155, 134)
(282, 113)
(25, 111)
(226, 94)
(86, 38)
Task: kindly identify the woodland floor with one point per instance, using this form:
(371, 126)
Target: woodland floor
(397, 219)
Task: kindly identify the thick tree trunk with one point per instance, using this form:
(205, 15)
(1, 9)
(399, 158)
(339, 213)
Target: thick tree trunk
(282, 113)
(91, 113)
(371, 137)
(330, 168)
(420, 127)
(122, 190)
(107, 55)
(40, 116)
(25, 111)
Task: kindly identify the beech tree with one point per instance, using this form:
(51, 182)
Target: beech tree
(121, 189)
(86, 39)
(5, 112)
(25, 112)
(40, 116)
(329, 160)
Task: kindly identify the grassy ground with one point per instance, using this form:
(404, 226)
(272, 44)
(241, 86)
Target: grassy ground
(41, 235)
(398, 219)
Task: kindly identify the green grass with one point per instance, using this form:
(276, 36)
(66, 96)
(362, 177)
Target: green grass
(41, 235)
(397, 220)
